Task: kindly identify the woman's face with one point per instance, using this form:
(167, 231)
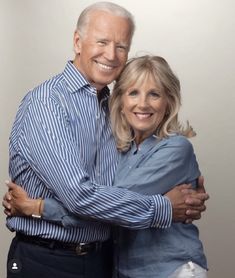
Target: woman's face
(144, 107)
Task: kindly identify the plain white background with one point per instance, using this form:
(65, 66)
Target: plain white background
(197, 39)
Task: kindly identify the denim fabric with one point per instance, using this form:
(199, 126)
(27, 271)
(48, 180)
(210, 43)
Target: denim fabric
(155, 167)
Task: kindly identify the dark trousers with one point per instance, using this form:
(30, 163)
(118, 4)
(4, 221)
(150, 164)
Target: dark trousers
(27, 260)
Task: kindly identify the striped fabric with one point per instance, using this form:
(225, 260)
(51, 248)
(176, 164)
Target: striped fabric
(61, 146)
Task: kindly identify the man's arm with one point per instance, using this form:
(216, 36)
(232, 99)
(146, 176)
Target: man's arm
(17, 203)
(47, 143)
(72, 185)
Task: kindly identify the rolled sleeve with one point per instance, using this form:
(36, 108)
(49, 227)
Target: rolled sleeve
(55, 212)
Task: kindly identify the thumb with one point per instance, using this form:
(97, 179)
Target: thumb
(200, 184)
(184, 186)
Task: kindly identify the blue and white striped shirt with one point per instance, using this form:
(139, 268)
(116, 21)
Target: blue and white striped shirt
(62, 147)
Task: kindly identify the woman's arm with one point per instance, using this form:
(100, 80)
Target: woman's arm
(17, 203)
(159, 173)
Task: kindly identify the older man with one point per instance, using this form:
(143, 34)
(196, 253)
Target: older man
(62, 147)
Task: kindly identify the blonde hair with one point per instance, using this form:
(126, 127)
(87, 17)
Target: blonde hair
(135, 72)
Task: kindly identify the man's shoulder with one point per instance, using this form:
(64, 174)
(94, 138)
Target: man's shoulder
(48, 88)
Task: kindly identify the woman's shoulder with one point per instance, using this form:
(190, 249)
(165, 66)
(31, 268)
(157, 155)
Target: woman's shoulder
(177, 141)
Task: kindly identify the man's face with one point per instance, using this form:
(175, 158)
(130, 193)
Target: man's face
(103, 50)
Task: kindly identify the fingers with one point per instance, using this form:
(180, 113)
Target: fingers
(188, 221)
(7, 197)
(196, 199)
(10, 185)
(193, 210)
(193, 215)
(7, 207)
(7, 212)
(6, 201)
(184, 186)
(6, 204)
(187, 191)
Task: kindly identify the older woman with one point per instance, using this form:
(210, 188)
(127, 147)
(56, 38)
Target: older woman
(155, 155)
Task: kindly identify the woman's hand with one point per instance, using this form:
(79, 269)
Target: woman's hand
(16, 202)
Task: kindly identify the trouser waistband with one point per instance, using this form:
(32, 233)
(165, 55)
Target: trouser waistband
(80, 249)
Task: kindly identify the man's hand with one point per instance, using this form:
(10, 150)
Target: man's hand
(17, 203)
(187, 203)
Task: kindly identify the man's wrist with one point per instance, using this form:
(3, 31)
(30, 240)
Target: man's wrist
(163, 213)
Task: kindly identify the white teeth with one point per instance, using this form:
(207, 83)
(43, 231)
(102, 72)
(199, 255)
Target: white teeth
(105, 66)
(143, 115)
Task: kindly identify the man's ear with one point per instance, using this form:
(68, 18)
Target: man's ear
(77, 43)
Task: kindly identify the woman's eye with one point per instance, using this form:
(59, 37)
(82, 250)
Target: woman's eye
(133, 93)
(154, 94)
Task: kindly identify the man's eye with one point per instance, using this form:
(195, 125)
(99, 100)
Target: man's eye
(122, 47)
(101, 43)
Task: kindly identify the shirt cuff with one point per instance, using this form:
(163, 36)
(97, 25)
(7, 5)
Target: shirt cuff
(52, 211)
(55, 212)
(163, 212)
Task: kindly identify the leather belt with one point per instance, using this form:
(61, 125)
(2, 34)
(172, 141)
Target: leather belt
(80, 249)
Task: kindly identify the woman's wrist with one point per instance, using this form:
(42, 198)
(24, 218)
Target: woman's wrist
(34, 208)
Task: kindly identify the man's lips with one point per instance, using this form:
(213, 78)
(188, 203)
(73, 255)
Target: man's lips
(105, 66)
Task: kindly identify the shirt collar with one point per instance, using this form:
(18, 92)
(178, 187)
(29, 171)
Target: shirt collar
(75, 80)
(146, 145)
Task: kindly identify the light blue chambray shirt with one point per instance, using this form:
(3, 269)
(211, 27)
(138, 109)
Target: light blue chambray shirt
(61, 147)
(155, 168)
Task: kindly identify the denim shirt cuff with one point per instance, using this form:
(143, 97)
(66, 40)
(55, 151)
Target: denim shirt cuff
(52, 211)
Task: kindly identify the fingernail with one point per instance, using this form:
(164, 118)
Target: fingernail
(7, 182)
(187, 212)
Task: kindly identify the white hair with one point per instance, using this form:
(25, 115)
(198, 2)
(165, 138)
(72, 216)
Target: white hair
(112, 8)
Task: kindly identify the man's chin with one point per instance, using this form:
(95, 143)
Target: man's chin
(102, 83)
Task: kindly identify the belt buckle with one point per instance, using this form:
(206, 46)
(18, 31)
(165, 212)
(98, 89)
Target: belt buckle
(79, 249)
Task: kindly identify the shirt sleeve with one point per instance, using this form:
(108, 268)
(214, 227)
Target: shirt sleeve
(170, 164)
(47, 143)
(55, 212)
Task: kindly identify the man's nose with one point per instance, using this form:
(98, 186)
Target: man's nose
(110, 52)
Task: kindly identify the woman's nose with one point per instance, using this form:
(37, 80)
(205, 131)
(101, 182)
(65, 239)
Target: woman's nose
(142, 101)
